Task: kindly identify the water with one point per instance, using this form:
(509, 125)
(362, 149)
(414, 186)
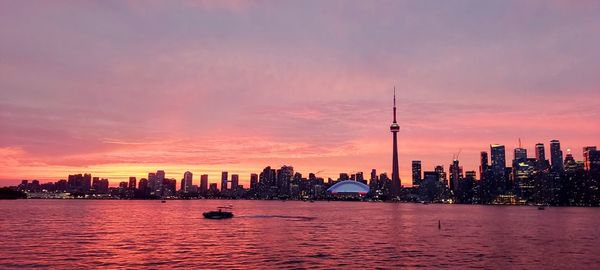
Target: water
(273, 234)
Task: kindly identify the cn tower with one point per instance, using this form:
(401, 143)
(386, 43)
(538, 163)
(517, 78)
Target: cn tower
(394, 128)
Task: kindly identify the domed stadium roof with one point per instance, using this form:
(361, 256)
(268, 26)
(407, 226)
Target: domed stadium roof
(349, 186)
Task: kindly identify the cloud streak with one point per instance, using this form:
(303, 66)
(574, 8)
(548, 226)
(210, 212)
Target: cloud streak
(127, 87)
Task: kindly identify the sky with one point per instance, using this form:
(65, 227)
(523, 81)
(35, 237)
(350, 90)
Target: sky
(123, 88)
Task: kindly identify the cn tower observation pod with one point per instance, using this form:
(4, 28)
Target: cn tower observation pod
(349, 187)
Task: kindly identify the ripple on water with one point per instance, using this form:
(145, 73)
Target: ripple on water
(266, 234)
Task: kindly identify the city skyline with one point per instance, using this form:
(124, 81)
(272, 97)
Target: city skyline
(508, 155)
(118, 89)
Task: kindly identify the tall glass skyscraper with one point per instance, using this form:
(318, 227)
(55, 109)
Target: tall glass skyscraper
(556, 156)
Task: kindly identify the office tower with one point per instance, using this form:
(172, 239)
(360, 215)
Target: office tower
(160, 178)
(540, 153)
(79, 183)
(152, 182)
(213, 188)
(169, 186)
(87, 182)
(253, 181)
(132, 182)
(123, 185)
(498, 166)
(394, 128)
(224, 176)
(235, 181)
(483, 167)
(589, 152)
(100, 186)
(439, 169)
(416, 173)
(556, 156)
(284, 178)
(520, 154)
(455, 175)
(204, 183)
(187, 182)
(268, 177)
(431, 176)
(143, 185)
(61, 185)
(374, 181)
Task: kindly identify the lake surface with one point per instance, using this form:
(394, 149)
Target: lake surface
(273, 234)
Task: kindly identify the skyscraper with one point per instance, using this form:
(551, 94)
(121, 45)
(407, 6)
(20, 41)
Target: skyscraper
(455, 175)
(498, 168)
(540, 153)
(152, 182)
(235, 181)
(483, 167)
(439, 169)
(253, 180)
(394, 128)
(416, 173)
(556, 156)
(223, 181)
(132, 182)
(204, 183)
(520, 154)
(284, 178)
(187, 182)
(160, 178)
(588, 154)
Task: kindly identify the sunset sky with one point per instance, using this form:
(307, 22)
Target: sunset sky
(122, 88)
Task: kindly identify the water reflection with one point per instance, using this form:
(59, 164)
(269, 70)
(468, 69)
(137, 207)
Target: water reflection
(272, 234)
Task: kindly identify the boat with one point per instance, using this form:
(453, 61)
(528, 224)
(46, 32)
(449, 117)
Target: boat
(163, 201)
(541, 207)
(219, 214)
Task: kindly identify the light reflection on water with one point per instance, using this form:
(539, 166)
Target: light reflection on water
(274, 234)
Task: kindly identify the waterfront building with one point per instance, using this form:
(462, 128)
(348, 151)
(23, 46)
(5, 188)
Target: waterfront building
(132, 182)
(204, 183)
(160, 178)
(224, 176)
(253, 180)
(235, 182)
(187, 182)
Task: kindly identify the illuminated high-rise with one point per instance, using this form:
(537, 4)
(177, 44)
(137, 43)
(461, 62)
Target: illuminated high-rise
(416, 173)
(498, 166)
(589, 154)
(160, 178)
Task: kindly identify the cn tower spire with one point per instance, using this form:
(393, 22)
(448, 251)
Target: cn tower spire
(394, 104)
